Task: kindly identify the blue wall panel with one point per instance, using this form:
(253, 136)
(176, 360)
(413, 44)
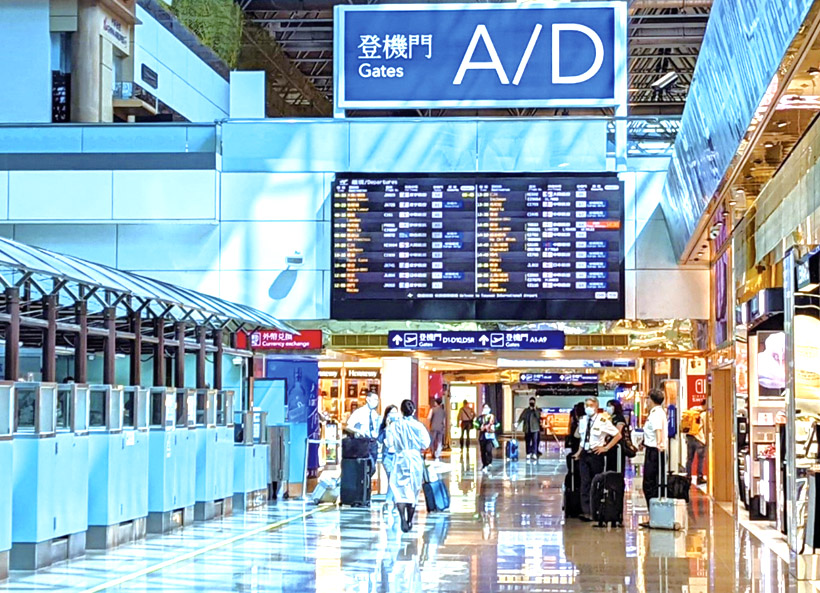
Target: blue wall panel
(6, 483)
(118, 477)
(250, 468)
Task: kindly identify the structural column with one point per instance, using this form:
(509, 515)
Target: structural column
(13, 334)
(81, 342)
(50, 339)
(135, 373)
(218, 359)
(159, 353)
(180, 365)
(110, 352)
(201, 334)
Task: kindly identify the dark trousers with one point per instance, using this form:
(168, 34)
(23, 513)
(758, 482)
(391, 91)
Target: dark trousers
(465, 432)
(591, 465)
(694, 449)
(531, 439)
(487, 447)
(654, 467)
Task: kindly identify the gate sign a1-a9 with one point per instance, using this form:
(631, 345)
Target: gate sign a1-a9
(480, 55)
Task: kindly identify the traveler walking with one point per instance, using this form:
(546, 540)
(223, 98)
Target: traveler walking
(438, 426)
(595, 427)
(530, 421)
(391, 414)
(486, 437)
(364, 422)
(408, 438)
(654, 442)
(466, 417)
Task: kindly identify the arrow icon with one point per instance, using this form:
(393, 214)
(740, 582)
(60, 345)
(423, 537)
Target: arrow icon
(483, 339)
(397, 340)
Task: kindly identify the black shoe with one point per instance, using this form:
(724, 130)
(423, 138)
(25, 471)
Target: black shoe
(585, 519)
(701, 481)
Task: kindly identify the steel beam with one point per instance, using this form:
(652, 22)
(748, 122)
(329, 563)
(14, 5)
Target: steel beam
(159, 353)
(136, 350)
(110, 351)
(202, 335)
(12, 370)
(81, 342)
(218, 335)
(50, 339)
(179, 370)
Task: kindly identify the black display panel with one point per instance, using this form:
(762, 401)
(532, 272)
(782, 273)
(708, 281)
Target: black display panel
(483, 247)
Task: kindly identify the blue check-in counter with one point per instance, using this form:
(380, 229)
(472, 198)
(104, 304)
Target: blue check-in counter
(118, 466)
(6, 473)
(171, 459)
(214, 454)
(50, 468)
(251, 462)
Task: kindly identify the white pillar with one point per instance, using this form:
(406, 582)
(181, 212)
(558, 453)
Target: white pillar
(399, 380)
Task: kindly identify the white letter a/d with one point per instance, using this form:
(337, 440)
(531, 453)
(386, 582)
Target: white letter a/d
(557, 78)
(494, 63)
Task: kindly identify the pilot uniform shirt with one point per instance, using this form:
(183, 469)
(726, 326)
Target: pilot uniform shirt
(365, 422)
(594, 431)
(656, 420)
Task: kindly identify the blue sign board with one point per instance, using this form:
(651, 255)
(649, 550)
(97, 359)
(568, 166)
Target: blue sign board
(480, 55)
(476, 340)
(557, 378)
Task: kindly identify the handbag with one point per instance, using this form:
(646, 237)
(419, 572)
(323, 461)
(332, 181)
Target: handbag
(630, 450)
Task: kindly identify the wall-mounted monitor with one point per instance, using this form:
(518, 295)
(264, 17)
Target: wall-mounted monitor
(477, 247)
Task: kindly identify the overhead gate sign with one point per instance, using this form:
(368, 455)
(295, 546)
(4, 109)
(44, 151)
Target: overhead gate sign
(480, 55)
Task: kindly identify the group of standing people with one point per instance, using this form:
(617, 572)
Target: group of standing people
(597, 438)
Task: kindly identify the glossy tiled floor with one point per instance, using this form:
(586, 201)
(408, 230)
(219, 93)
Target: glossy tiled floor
(504, 532)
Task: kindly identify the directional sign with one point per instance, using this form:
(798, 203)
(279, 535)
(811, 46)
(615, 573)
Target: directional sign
(557, 378)
(476, 340)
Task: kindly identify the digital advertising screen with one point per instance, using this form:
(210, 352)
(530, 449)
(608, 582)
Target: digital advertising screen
(477, 247)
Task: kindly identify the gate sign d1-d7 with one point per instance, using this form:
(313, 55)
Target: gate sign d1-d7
(480, 55)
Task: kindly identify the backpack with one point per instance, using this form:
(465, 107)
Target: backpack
(691, 423)
(627, 443)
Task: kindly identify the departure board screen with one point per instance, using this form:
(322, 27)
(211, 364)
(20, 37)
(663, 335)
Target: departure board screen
(483, 247)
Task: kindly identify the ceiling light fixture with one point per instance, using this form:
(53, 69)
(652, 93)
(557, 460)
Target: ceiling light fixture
(768, 144)
(781, 124)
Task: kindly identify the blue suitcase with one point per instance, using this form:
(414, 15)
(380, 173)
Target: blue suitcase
(512, 450)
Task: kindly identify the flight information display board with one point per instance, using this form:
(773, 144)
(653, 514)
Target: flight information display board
(484, 247)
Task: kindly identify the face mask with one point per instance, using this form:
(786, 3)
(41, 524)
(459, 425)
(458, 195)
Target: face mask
(532, 404)
(485, 410)
(611, 410)
(590, 411)
(393, 416)
(373, 402)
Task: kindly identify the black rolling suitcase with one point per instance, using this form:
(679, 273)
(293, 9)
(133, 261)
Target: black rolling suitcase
(572, 489)
(607, 497)
(355, 486)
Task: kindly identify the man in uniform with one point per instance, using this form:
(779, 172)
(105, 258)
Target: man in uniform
(595, 428)
(365, 422)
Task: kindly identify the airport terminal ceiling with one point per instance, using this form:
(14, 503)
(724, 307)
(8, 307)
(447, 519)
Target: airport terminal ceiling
(664, 37)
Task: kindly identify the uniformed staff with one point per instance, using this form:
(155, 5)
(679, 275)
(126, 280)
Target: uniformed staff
(594, 429)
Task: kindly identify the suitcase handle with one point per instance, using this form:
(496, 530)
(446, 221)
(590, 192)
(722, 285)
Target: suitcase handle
(663, 486)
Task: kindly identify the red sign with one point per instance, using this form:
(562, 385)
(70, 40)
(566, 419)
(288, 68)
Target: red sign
(308, 339)
(696, 390)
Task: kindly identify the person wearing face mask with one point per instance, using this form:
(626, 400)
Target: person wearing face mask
(616, 416)
(530, 421)
(594, 428)
(364, 422)
(407, 437)
(654, 442)
(486, 437)
(391, 414)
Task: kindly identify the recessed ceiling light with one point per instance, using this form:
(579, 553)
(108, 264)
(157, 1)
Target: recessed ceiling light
(781, 123)
(732, 202)
(768, 144)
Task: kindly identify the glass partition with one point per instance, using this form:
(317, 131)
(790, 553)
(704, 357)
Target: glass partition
(98, 406)
(65, 405)
(36, 407)
(206, 407)
(6, 409)
(162, 407)
(135, 407)
(79, 419)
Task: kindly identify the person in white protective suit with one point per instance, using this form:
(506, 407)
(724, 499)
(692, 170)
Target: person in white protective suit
(407, 437)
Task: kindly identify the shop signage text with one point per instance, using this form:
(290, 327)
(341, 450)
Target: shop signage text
(480, 55)
(116, 32)
(557, 378)
(476, 340)
(308, 339)
(696, 390)
(362, 373)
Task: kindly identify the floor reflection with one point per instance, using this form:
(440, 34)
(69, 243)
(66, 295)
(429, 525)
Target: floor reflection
(505, 532)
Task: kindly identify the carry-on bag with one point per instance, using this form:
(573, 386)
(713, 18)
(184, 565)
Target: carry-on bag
(664, 512)
(511, 448)
(436, 496)
(677, 486)
(572, 489)
(326, 491)
(356, 447)
(607, 496)
(355, 485)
